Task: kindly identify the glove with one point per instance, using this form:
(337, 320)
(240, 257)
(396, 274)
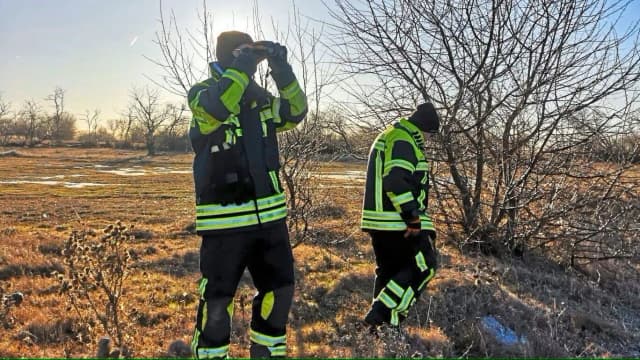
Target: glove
(410, 216)
(280, 68)
(246, 61)
(413, 228)
(277, 55)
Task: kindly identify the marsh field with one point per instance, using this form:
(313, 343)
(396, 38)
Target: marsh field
(47, 193)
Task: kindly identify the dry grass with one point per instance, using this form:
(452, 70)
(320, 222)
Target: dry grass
(560, 312)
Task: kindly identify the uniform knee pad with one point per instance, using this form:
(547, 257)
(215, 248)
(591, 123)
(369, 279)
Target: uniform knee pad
(274, 306)
(217, 315)
(213, 328)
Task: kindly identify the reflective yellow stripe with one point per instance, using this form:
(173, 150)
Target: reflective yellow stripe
(202, 285)
(230, 309)
(390, 216)
(265, 114)
(231, 222)
(420, 261)
(194, 341)
(290, 90)
(406, 300)
(212, 353)
(264, 129)
(267, 305)
(232, 95)
(394, 318)
(205, 314)
(206, 123)
(295, 96)
(422, 166)
(274, 179)
(379, 145)
(399, 200)
(237, 76)
(384, 226)
(233, 119)
(395, 288)
(217, 209)
(266, 340)
(404, 164)
(432, 272)
(229, 137)
(280, 350)
(378, 182)
(386, 300)
(275, 112)
(373, 224)
(422, 196)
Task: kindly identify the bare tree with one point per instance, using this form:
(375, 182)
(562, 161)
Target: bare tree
(150, 114)
(177, 120)
(7, 126)
(124, 125)
(92, 119)
(184, 54)
(31, 123)
(521, 87)
(57, 98)
(299, 147)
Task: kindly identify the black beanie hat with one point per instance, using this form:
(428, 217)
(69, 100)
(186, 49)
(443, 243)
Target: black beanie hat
(426, 118)
(227, 42)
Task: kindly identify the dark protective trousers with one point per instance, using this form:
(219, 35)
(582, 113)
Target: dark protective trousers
(223, 259)
(404, 267)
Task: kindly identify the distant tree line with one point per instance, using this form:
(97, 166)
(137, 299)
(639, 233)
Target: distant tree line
(146, 123)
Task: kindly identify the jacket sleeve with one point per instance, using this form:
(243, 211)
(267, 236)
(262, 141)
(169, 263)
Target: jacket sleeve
(396, 178)
(214, 103)
(290, 107)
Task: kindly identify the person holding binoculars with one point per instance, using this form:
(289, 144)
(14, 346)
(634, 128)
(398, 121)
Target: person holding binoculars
(240, 203)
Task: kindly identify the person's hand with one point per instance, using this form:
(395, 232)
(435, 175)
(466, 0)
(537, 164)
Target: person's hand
(245, 59)
(278, 53)
(413, 228)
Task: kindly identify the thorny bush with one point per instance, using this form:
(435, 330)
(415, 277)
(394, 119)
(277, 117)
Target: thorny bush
(96, 268)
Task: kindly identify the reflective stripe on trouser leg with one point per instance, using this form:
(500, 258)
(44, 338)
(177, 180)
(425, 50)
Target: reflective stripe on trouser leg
(269, 318)
(396, 299)
(426, 263)
(276, 345)
(213, 326)
(408, 299)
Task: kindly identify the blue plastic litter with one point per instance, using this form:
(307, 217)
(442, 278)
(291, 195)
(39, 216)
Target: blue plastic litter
(503, 334)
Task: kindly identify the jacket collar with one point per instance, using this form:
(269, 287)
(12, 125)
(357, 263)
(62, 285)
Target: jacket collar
(216, 70)
(412, 129)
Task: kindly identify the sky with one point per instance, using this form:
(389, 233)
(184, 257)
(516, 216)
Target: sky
(95, 49)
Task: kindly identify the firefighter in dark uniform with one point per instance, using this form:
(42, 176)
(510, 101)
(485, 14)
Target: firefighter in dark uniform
(395, 216)
(240, 204)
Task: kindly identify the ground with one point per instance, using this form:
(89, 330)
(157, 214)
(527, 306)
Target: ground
(46, 193)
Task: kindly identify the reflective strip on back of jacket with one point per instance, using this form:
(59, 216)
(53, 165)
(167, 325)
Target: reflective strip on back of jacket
(381, 208)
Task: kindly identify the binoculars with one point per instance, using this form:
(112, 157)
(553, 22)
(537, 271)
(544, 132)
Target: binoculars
(260, 49)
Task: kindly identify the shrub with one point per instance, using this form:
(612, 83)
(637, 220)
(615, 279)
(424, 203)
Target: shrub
(95, 274)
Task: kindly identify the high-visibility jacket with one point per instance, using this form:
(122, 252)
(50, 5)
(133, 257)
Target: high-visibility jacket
(236, 162)
(397, 180)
